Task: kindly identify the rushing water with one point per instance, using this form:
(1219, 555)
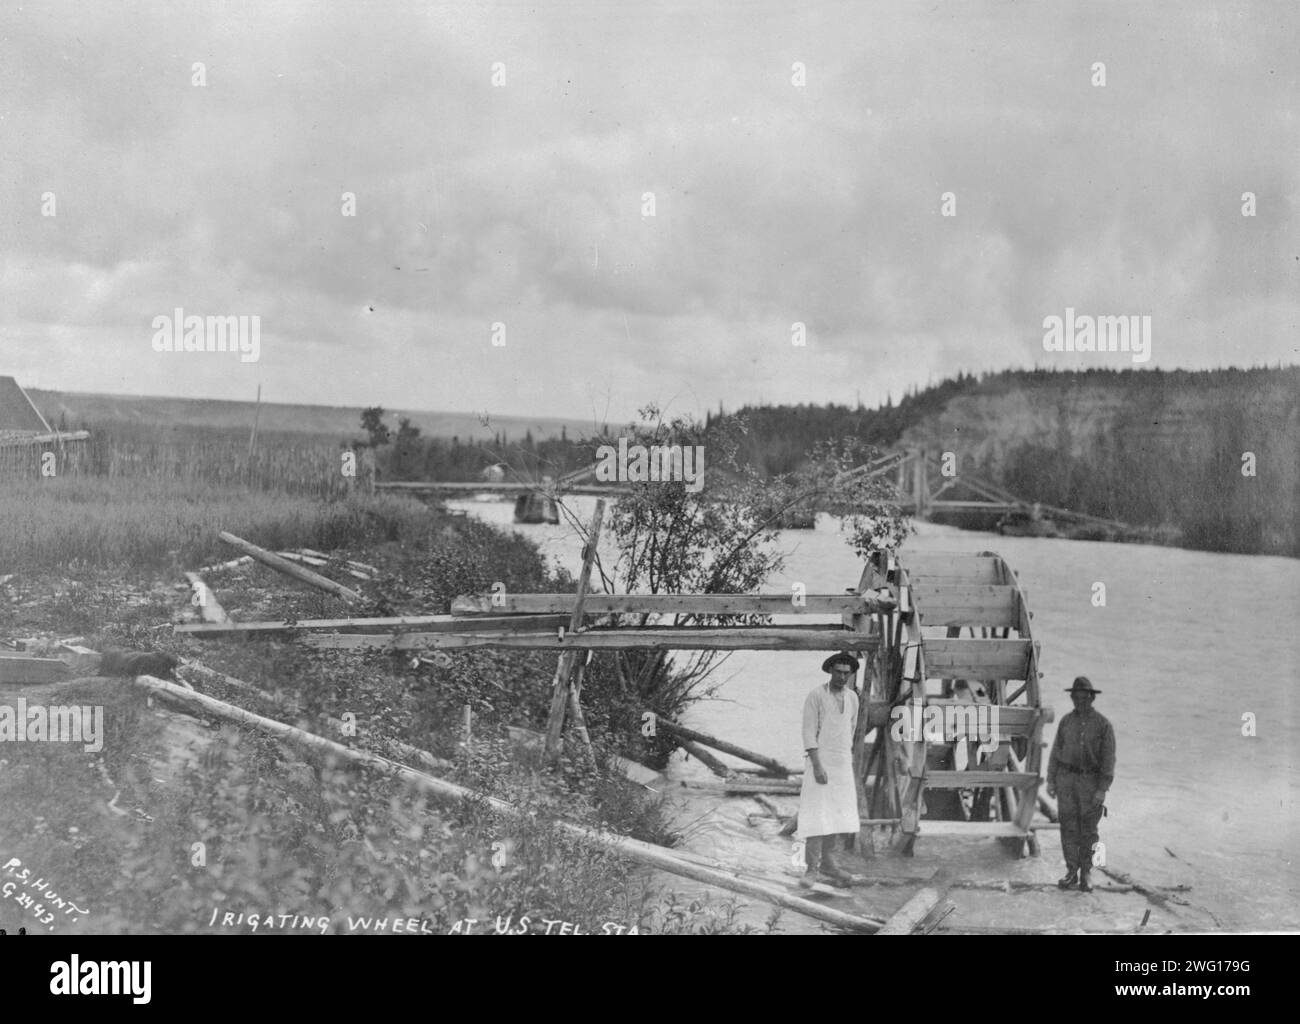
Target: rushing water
(1186, 645)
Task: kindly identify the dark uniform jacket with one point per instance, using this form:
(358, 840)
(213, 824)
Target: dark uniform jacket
(1085, 743)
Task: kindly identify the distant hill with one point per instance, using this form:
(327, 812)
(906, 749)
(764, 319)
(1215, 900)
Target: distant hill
(1148, 447)
(320, 421)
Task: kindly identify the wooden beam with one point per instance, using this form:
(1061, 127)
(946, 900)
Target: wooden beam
(935, 568)
(623, 846)
(727, 748)
(673, 604)
(747, 787)
(975, 779)
(965, 605)
(965, 658)
(756, 638)
(564, 670)
(283, 565)
(424, 623)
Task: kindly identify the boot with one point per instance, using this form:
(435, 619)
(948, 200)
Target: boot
(1085, 880)
(1070, 880)
(832, 872)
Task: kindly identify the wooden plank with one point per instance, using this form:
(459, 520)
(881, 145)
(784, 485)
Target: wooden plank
(672, 604)
(758, 638)
(283, 565)
(910, 915)
(968, 658)
(211, 611)
(564, 670)
(23, 669)
(425, 623)
(747, 787)
(926, 567)
(966, 605)
(999, 829)
(975, 779)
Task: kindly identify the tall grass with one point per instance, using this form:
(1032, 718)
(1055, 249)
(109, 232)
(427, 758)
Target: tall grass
(68, 522)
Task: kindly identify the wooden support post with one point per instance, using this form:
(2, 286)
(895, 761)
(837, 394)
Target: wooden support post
(563, 672)
(727, 748)
(283, 565)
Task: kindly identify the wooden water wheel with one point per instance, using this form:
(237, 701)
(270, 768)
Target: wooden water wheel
(955, 702)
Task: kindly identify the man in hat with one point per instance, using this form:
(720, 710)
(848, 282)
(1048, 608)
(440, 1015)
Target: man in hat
(1079, 772)
(828, 800)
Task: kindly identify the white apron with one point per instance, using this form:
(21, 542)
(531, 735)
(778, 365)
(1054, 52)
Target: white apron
(831, 809)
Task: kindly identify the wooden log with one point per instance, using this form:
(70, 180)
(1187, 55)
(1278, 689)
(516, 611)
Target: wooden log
(283, 565)
(632, 849)
(564, 670)
(910, 915)
(295, 556)
(738, 638)
(673, 604)
(211, 611)
(746, 787)
(384, 626)
(727, 748)
(705, 758)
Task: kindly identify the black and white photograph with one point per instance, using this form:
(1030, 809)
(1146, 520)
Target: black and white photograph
(651, 468)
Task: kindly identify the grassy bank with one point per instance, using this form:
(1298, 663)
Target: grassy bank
(144, 837)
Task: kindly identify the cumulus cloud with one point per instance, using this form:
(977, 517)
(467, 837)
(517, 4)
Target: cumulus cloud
(524, 204)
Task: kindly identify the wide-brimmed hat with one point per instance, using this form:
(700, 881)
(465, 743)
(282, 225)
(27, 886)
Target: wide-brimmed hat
(1082, 685)
(844, 656)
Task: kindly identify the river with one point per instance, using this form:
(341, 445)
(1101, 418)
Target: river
(1187, 647)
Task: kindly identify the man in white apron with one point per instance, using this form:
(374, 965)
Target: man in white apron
(828, 800)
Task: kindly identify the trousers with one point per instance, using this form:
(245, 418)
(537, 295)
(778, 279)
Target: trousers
(1079, 818)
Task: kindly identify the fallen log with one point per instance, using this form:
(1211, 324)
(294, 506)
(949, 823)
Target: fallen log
(381, 627)
(745, 787)
(289, 702)
(909, 916)
(283, 565)
(771, 764)
(632, 849)
(705, 758)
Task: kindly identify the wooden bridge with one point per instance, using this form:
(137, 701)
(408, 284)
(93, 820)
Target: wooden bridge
(922, 479)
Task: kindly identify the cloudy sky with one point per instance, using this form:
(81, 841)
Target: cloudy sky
(522, 201)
